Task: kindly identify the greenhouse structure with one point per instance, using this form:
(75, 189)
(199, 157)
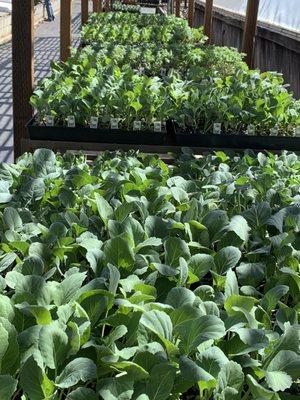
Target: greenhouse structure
(149, 200)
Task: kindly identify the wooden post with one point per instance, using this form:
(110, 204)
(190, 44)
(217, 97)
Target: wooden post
(96, 6)
(177, 7)
(250, 31)
(191, 7)
(84, 11)
(208, 18)
(22, 70)
(65, 29)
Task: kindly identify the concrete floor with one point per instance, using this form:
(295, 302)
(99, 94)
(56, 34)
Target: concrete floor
(46, 49)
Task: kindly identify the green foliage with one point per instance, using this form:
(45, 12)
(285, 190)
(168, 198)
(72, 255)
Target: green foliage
(150, 281)
(147, 68)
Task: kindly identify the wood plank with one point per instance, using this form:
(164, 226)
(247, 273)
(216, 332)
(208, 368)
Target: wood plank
(23, 68)
(96, 6)
(191, 12)
(84, 11)
(94, 148)
(65, 29)
(250, 31)
(208, 19)
(177, 7)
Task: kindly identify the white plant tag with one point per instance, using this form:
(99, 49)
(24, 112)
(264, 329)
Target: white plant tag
(141, 70)
(297, 131)
(137, 125)
(114, 123)
(274, 131)
(49, 120)
(157, 126)
(71, 121)
(251, 130)
(94, 122)
(217, 128)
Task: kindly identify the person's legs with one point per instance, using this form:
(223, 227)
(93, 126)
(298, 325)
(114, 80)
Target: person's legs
(50, 11)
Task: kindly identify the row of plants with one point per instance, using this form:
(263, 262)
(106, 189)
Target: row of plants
(132, 279)
(138, 28)
(165, 73)
(131, 8)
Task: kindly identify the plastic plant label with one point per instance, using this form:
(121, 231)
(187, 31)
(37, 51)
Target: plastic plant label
(71, 121)
(49, 119)
(217, 128)
(114, 123)
(251, 130)
(297, 131)
(137, 125)
(94, 122)
(141, 70)
(157, 126)
(274, 131)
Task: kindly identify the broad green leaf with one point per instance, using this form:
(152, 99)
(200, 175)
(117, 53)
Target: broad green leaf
(34, 381)
(79, 370)
(260, 392)
(161, 382)
(230, 376)
(6, 308)
(53, 344)
(12, 219)
(215, 221)
(180, 296)
(234, 303)
(251, 274)
(118, 252)
(82, 393)
(231, 284)
(6, 261)
(200, 264)
(158, 322)
(8, 386)
(278, 380)
(192, 372)
(272, 297)
(104, 209)
(120, 388)
(204, 328)
(226, 258)
(258, 215)
(174, 249)
(95, 303)
(286, 361)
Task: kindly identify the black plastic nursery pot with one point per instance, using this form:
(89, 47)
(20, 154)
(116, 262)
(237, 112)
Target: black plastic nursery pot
(232, 141)
(99, 135)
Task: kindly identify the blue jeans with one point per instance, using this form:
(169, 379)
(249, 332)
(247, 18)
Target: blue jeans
(50, 11)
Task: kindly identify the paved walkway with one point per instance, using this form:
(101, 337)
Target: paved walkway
(46, 49)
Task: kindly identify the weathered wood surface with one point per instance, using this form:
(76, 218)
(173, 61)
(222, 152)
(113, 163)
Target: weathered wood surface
(65, 29)
(274, 50)
(22, 71)
(250, 30)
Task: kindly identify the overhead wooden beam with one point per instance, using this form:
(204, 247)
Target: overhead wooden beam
(250, 31)
(84, 11)
(65, 29)
(96, 6)
(208, 19)
(22, 69)
(191, 12)
(177, 7)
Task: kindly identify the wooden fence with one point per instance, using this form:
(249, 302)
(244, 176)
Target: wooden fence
(275, 49)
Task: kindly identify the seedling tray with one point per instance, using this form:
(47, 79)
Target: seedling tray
(85, 134)
(237, 141)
